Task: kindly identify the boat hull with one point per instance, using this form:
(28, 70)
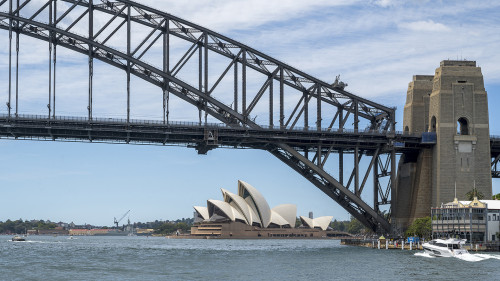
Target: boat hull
(437, 252)
(444, 248)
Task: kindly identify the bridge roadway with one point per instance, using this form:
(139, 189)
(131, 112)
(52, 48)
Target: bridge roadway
(203, 137)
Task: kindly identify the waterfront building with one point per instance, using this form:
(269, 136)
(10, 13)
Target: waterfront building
(248, 215)
(144, 231)
(476, 220)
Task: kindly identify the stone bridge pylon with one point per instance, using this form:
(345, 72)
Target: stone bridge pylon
(451, 110)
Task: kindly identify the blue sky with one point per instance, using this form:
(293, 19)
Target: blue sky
(376, 47)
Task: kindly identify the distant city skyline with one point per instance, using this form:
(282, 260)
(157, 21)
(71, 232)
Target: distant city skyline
(376, 47)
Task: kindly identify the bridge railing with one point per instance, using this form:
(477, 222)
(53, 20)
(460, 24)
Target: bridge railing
(123, 121)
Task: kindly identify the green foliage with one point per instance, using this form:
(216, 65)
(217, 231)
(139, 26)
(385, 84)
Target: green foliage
(474, 192)
(421, 227)
(339, 225)
(20, 227)
(498, 235)
(172, 227)
(167, 227)
(355, 226)
(496, 197)
(43, 225)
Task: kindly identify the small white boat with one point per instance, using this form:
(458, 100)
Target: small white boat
(445, 247)
(18, 238)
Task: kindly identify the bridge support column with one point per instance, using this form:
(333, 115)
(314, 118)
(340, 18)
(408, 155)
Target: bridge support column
(452, 106)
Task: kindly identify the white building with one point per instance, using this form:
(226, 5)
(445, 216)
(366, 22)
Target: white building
(476, 220)
(251, 208)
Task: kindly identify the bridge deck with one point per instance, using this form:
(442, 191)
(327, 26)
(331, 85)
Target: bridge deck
(153, 132)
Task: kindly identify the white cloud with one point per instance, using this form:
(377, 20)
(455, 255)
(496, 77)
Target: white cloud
(226, 15)
(384, 3)
(424, 25)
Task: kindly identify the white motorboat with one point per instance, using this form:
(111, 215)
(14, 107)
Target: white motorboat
(445, 247)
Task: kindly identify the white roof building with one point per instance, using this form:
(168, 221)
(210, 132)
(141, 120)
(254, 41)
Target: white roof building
(251, 208)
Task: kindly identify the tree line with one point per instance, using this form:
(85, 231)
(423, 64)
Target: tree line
(352, 226)
(20, 227)
(158, 224)
(168, 228)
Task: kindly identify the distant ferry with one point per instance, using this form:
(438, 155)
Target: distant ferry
(18, 238)
(445, 248)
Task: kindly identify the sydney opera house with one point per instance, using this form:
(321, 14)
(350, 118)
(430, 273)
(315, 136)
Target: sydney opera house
(248, 215)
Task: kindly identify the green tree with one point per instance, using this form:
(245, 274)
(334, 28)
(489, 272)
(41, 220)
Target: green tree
(474, 193)
(496, 197)
(355, 226)
(421, 227)
(339, 225)
(182, 226)
(170, 228)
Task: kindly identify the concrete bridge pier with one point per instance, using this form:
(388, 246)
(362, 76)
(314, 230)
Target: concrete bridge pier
(452, 107)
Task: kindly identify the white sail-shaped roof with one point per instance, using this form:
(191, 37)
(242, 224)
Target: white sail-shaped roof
(288, 212)
(277, 219)
(239, 203)
(321, 222)
(307, 221)
(255, 199)
(228, 211)
(255, 217)
(238, 216)
(202, 212)
(221, 205)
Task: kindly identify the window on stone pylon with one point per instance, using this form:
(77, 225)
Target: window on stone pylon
(462, 126)
(433, 124)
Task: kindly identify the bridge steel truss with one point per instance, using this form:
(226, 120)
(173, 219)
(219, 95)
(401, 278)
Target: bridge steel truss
(495, 156)
(304, 136)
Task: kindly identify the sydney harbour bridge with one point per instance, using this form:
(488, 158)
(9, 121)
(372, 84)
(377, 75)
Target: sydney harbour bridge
(337, 140)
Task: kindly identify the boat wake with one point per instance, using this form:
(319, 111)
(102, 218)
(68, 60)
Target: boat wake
(465, 257)
(424, 254)
(470, 257)
(478, 257)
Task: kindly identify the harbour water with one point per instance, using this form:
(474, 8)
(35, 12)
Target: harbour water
(158, 258)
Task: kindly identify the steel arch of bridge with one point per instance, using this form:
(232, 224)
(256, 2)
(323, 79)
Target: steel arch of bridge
(306, 150)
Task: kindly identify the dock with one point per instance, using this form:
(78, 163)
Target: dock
(387, 244)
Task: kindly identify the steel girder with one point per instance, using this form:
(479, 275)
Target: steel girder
(350, 201)
(495, 156)
(315, 94)
(110, 130)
